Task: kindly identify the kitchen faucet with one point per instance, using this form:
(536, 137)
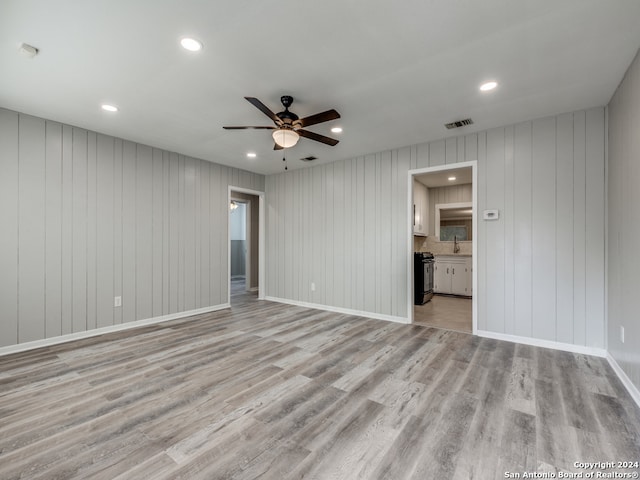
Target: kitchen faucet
(456, 247)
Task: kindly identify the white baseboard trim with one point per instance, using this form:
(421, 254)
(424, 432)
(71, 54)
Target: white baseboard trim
(253, 289)
(567, 347)
(347, 311)
(626, 381)
(46, 342)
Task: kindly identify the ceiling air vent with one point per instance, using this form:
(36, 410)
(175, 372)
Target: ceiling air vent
(309, 158)
(459, 123)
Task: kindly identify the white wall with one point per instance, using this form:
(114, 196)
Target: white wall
(86, 217)
(624, 223)
(343, 226)
(238, 220)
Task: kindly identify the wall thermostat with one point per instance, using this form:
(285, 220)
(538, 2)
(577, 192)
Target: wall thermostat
(491, 214)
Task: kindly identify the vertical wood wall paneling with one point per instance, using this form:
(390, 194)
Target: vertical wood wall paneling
(166, 233)
(482, 229)
(564, 228)
(87, 217)
(509, 231)
(105, 266)
(129, 211)
(9, 163)
(299, 242)
(523, 234)
(579, 228)
(79, 229)
(91, 230)
(216, 218)
(544, 226)
(436, 153)
(157, 235)
(451, 150)
(531, 172)
(190, 234)
(339, 252)
(205, 234)
(385, 222)
(471, 146)
(349, 222)
(118, 223)
(461, 154)
(144, 232)
(270, 245)
(281, 259)
(370, 234)
(358, 268)
(31, 228)
(53, 231)
(595, 226)
(400, 165)
(624, 223)
(495, 231)
(291, 245)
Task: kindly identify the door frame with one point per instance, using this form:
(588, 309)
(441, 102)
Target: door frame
(261, 240)
(248, 246)
(474, 242)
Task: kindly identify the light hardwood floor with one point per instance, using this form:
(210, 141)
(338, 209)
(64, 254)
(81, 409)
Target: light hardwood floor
(273, 391)
(445, 311)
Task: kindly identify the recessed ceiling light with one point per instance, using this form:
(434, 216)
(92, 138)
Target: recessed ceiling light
(485, 87)
(191, 44)
(336, 129)
(109, 108)
(451, 179)
(251, 155)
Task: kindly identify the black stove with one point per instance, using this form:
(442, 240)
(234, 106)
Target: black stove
(423, 263)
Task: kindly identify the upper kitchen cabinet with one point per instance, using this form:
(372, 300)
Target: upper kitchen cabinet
(420, 209)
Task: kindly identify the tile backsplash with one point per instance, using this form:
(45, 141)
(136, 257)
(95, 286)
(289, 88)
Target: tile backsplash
(433, 245)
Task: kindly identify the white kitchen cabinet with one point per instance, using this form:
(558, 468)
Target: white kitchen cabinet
(420, 209)
(452, 275)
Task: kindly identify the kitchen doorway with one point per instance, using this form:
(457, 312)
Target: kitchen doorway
(442, 253)
(246, 244)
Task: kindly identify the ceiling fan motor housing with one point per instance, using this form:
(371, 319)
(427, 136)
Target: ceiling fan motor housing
(289, 119)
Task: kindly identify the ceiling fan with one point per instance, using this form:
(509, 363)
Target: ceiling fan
(288, 126)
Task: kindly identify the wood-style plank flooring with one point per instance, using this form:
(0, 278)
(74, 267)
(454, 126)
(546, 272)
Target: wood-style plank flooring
(273, 391)
(445, 311)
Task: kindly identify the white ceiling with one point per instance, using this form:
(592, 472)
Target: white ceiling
(440, 178)
(396, 71)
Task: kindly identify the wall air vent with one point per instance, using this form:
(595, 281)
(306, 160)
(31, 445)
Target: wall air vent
(309, 158)
(459, 123)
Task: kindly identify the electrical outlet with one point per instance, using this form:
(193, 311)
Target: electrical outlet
(621, 333)
(117, 301)
(313, 287)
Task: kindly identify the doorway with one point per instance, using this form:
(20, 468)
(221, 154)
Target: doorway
(240, 280)
(443, 222)
(246, 244)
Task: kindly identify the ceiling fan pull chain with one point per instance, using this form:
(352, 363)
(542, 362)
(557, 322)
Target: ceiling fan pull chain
(285, 162)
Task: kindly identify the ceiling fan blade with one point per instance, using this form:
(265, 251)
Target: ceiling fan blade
(319, 118)
(317, 137)
(264, 109)
(277, 147)
(244, 128)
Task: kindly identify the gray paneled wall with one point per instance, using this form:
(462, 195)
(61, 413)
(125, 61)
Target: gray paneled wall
(624, 223)
(87, 217)
(343, 227)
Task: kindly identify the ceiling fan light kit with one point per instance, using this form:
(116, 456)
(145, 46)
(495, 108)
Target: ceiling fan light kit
(285, 138)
